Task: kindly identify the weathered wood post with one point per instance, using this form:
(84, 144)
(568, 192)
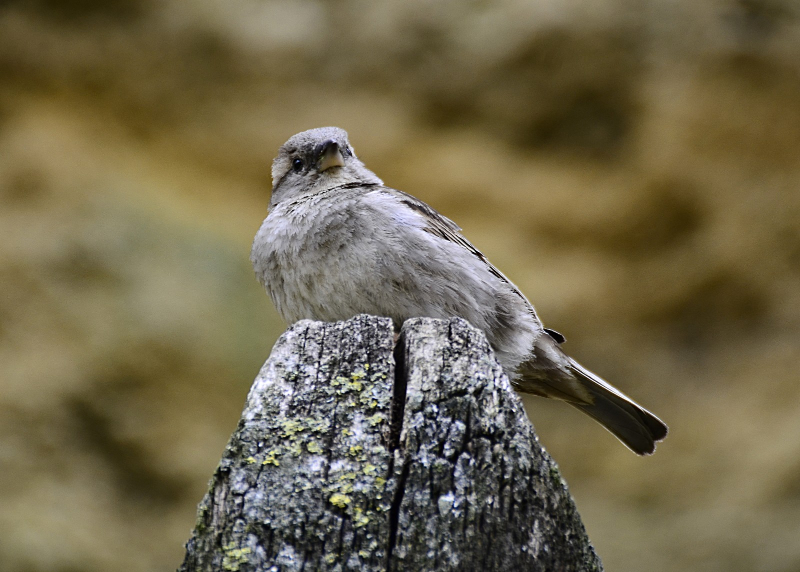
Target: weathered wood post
(354, 454)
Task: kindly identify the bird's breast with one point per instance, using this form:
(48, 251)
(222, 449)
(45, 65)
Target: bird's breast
(313, 262)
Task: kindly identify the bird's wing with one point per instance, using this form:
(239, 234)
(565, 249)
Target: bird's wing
(445, 229)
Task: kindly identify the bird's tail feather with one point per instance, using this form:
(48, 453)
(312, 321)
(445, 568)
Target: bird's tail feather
(635, 426)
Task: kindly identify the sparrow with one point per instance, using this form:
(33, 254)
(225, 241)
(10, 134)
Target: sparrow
(337, 242)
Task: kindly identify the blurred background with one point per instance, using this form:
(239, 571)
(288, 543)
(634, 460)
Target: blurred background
(633, 165)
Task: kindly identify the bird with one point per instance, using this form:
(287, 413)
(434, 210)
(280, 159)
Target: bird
(338, 242)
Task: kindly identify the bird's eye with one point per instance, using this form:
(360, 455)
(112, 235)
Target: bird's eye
(297, 165)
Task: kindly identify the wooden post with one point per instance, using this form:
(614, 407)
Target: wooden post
(354, 453)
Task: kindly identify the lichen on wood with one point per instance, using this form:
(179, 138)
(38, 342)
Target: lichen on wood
(352, 454)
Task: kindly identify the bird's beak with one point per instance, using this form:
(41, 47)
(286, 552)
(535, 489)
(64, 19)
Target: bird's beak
(330, 155)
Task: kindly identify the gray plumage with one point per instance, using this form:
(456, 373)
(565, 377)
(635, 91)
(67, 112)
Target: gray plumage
(337, 242)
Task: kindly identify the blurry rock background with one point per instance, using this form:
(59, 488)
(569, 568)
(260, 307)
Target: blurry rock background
(633, 165)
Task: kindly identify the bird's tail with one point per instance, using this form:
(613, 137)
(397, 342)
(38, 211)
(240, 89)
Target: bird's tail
(635, 426)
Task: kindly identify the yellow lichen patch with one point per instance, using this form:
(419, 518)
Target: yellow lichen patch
(317, 425)
(369, 469)
(375, 419)
(251, 460)
(234, 557)
(380, 482)
(344, 385)
(313, 447)
(271, 458)
(359, 518)
(340, 500)
(291, 427)
(355, 450)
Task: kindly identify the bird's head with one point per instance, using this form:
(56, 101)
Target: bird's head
(314, 161)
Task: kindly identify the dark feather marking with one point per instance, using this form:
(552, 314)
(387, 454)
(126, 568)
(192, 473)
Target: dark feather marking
(304, 198)
(444, 228)
(558, 337)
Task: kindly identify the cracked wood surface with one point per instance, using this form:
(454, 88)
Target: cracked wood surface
(344, 461)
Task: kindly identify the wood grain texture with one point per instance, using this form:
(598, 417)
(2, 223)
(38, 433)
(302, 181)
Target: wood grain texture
(319, 476)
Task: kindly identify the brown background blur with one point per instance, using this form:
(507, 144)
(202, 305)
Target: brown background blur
(633, 165)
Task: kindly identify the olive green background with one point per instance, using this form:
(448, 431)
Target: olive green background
(633, 165)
